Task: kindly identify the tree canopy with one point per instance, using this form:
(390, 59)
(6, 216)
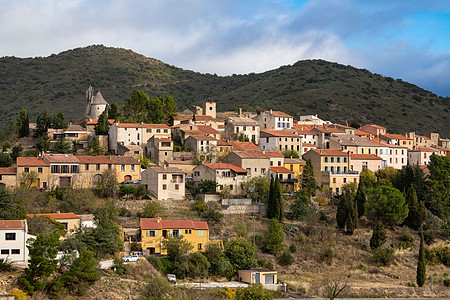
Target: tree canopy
(386, 204)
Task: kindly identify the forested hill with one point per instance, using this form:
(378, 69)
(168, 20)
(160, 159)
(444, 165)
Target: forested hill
(335, 92)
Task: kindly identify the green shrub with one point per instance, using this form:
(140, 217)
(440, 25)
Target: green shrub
(405, 242)
(382, 256)
(141, 190)
(120, 267)
(292, 248)
(286, 259)
(327, 256)
(200, 206)
(127, 189)
(5, 265)
(123, 212)
(252, 292)
(440, 254)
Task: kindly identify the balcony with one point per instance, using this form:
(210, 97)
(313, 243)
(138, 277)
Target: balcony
(288, 180)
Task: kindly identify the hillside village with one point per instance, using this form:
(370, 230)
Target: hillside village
(208, 178)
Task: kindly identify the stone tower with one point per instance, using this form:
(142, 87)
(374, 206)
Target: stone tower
(96, 105)
(209, 109)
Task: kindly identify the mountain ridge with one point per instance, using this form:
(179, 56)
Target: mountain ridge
(333, 91)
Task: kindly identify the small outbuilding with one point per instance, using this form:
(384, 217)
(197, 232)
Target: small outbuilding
(258, 275)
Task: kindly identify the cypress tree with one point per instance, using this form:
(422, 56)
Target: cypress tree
(308, 180)
(341, 214)
(279, 211)
(270, 212)
(421, 267)
(352, 216)
(417, 212)
(361, 197)
(378, 236)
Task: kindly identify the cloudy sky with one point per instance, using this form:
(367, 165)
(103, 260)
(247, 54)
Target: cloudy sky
(408, 39)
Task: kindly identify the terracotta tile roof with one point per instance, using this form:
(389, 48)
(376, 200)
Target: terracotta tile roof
(56, 216)
(182, 117)
(351, 140)
(127, 160)
(244, 146)
(309, 145)
(202, 137)
(199, 118)
(8, 171)
(95, 121)
(31, 161)
(61, 158)
(361, 132)
(305, 132)
(298, 127)
(277, 113)
(218, 166)
(163, 140)
(152, 223)
(250, 154)
(326, 129)
(138, 125)
(95, 159)
(207, 129)
(329, 152)
(273, 154)
(365, 156)
(166, 170)
(396, 136)
(378, 142)
(192, 131)
(12, 224)
(242, 122)
(223, 143)
(279, 170)
(424, 149)
(278, 133)
(294, 161)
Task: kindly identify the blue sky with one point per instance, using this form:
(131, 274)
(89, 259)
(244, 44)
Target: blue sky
(401, 39)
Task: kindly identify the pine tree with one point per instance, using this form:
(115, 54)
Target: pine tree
(361, 197)
(23, 123)
(113, 111)
(102, 126)
(378, 236)
(273, 241)
(421, 267)
(417, 212)
(352, 216)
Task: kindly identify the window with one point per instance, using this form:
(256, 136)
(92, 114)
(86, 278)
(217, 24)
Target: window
(345, 180)
(132, 167)
(164, 186)
(109, 166)
(10, 236)
(164, 176)
(152, 233)
(231, 187)
(26, 170)
(87, 167)
(122, 167)
(325, 159)
(187, 231)
(263, 171)
(354, 179)
(97, 167)
(158, 130)
(200, 246)
(334, 180)
(200, 233)
(64, 169)
(166, 131)
(196, 173)
(5, 251)
(149, 130)
(338, 159)
(331, 159)
(40, 170)
(177, 187)
(249, 171)
(15, 251)
(74, 169)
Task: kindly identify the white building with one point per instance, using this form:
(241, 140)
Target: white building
(164, 182)
(13, 240)
(274, 120)
(135, 133)
(421, 156)
(96, 105)
(227, 176)
(236, 127)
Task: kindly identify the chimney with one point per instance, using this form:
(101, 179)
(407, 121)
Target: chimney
(158, 220)
(271, 111)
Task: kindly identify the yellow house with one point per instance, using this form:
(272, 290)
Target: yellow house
(155, 230)
(70, 221)
(127, 168)
(37, 165)
(8, 177)
(296, 165)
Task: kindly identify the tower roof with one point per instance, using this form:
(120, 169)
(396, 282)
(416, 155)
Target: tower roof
(98, 99)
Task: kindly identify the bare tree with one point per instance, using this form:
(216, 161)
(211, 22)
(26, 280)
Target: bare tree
(333, 288)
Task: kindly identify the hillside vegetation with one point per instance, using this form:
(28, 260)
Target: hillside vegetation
(333, 91)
